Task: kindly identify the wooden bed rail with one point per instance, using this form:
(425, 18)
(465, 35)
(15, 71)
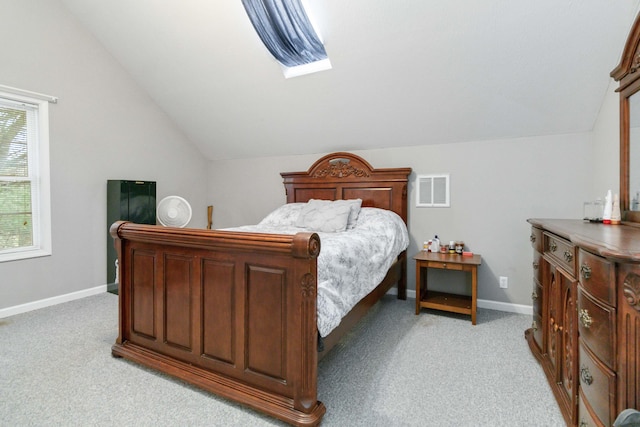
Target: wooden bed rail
(300, 245)
(233, 313)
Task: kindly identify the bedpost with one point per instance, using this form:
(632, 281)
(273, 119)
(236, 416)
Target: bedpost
(117, 243)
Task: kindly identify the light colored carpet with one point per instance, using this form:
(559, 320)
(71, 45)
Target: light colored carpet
(394, 369)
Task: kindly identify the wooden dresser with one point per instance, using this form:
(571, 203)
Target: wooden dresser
(586, 316)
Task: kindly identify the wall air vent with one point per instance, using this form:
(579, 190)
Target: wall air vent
(432, 191)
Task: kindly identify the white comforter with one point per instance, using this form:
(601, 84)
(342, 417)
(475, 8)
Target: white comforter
(351, 263)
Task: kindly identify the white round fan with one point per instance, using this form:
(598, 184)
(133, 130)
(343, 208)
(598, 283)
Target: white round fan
(174, 211)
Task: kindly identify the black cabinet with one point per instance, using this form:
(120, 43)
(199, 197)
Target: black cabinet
(133, 201)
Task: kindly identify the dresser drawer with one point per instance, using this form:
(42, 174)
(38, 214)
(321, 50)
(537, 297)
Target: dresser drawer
(562, 251)
(537, 298)
(536, 239)
(537, 329)
(597, 276)
(585, 418)
(597, 327)
(537, 267)
(597, 386)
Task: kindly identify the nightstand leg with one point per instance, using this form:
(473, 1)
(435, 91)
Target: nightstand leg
(418, 286)
(474, 292)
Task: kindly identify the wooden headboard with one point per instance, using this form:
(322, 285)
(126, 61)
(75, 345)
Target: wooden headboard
(347, 176)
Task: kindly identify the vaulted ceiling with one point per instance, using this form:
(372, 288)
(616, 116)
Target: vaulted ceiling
(405, 72)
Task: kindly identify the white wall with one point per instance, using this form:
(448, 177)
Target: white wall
(104, 127)
(495, 187)
(606, 146)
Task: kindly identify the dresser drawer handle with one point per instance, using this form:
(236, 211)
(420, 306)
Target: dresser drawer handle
(568, 256)
(584, 317)
(534, 325)
(585, 270)
(535, 265)
(534, 295)
(553, 246)
(532, 238)
(585, 375)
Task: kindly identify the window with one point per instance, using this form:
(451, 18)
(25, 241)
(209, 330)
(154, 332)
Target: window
(432, 191)
(288, 33)
(25, 223)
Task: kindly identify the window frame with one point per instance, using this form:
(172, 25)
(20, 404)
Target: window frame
(39, 172)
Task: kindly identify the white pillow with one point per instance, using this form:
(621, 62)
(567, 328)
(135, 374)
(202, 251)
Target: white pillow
(354, 205)
(324, 215)
(284, 216)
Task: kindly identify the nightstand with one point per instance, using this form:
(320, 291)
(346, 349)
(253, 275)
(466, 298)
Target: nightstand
(464, 304)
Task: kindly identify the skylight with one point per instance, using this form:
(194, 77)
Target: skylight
(287, 32)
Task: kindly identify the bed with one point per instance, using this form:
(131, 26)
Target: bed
(235, 312)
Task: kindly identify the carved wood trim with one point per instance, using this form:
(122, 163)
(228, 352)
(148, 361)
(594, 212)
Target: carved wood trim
(308, 289)
(630, 61)
(631, 290)
(340, 168)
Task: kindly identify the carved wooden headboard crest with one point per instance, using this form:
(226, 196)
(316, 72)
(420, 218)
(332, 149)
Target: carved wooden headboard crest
(340, 168)
(347, 176)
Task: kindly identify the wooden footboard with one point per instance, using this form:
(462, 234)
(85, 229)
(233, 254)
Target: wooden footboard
(233, 313)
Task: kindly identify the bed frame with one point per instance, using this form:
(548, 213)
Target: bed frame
(235, 313)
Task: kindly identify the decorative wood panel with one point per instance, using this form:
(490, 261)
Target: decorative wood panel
(218, 311)
(568, 335)
(143, 317)
(177, 301)
(306, 194)
(629, 275)
(380, 197)
(266, 326)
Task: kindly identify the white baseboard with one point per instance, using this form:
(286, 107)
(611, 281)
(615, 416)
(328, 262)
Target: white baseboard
(505, 306)
(47, 302)
(23, 308)
(483, 303)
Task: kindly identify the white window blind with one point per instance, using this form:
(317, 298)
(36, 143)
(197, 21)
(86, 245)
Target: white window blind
(24, 178)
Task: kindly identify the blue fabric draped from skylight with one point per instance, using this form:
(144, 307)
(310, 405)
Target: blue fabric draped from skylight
(285, 29)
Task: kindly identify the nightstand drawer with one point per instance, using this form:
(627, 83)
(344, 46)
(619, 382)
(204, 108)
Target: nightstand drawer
(597, 276)
(562, 251)
(598, 386)
(444, 265)
(597, 327)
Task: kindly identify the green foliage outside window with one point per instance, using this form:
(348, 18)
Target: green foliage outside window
(16, 228)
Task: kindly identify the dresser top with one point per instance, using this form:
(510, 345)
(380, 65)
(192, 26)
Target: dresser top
(620, 242)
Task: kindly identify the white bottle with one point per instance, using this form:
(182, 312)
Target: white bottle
(608, 208)
(615, 210)
(435, 244)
